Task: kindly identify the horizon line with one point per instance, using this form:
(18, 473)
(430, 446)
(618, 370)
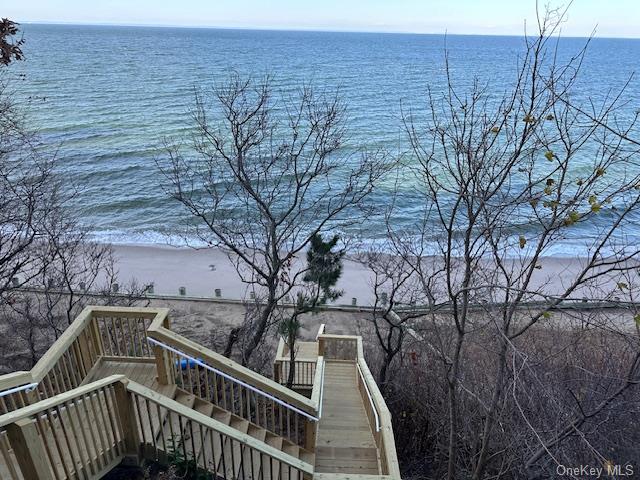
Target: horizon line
(300, 29)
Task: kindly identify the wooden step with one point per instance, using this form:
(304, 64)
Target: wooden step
(166, 390)
(217, 453)
(257, 432)
(239, 424)
(291, 449)
(169, 391)
(308, 457)
(221, 415)
(203, 407)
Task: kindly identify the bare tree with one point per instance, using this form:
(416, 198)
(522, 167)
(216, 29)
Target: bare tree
(49, 267)
(29, 193)
(499, 180)
(263, 177)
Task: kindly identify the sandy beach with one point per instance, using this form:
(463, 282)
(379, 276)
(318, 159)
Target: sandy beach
(203, 271)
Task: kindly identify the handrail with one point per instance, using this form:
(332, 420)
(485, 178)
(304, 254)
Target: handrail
(317, 392)
(373, 406)
(158, 332)
(15, 379)
(39, 370)
(233, 379)
(26, 387)
(320, 331)
(321, 391)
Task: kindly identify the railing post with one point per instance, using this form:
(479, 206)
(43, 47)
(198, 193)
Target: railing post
(95, 334)
(32, 396)
(29, 450)
(321, 346)
(277, 367)
(163, 360)
(163, 365)
(310, 431)
(127, 420)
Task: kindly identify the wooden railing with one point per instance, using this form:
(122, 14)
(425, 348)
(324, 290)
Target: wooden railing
(225, 383)
(317, 392)
(304, 373)
(98, 333)
(84, 433)
(76, 434)
(207, 443)
(338, 347)
(123, 331)
(305, 369)
(378, 415)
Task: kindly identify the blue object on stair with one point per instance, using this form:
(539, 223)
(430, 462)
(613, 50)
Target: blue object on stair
(187, 363)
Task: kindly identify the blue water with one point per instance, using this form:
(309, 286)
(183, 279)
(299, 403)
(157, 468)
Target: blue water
(106, 97)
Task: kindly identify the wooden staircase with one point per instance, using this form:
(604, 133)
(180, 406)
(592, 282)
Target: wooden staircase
(120, 386)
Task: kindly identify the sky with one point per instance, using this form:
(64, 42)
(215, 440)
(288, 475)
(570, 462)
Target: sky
(611, 18)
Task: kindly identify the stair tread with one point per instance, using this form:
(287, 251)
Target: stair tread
(308, 457)
(274, 440)
(292, 450)
(203, 407)
(223, 417)
(256, 432)
(239, 424)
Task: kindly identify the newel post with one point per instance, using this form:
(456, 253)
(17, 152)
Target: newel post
(127, 420)
(310, 431)
(321, 346)
(163, 360)
(29, 450)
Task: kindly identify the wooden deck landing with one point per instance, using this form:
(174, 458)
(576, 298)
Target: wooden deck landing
(141, 372)
(345, 442)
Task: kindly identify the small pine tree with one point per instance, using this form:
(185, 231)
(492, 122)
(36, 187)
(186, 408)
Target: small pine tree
(324, 268)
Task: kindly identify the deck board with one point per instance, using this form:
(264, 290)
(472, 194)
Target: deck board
(345, 442)
(143, 373)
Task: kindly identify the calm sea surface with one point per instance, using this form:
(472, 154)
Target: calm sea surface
(106, 97)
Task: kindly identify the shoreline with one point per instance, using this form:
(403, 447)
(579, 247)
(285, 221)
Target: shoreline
(202, 271)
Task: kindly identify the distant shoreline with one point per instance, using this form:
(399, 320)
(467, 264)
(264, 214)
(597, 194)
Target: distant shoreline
(202, 271)
(301, 30)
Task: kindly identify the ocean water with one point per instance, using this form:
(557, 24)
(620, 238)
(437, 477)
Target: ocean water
(106, 97)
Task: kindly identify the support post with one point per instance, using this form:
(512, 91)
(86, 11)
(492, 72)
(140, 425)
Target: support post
(127, 419)
(277, 367)
(29, 450)
(163, 360)
(97, 339)
(163, 365)
(310, 430)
